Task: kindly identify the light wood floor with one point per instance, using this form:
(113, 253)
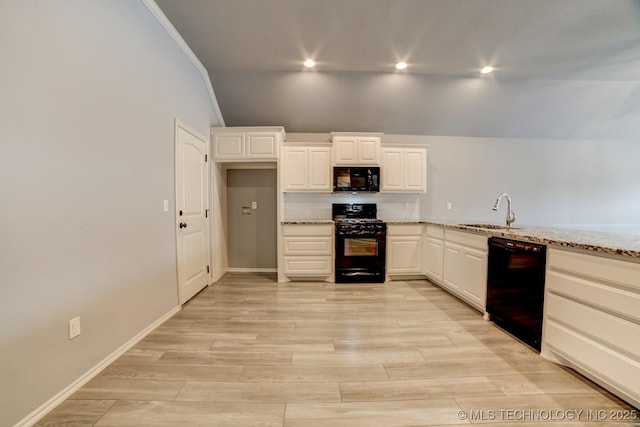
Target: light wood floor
(251, 352)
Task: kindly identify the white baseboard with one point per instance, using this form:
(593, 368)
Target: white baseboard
(252, 270)
(49, 405)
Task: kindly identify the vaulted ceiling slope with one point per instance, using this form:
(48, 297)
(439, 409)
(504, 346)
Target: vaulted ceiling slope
(563, 68)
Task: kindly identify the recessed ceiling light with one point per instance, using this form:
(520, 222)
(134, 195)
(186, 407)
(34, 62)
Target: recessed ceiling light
(401, 65)
(486, 70)
(309, 63)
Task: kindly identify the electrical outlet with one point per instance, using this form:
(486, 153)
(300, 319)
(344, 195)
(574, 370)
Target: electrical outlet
(254, 205)
(165, 205)
(449, 205)
(74, 327)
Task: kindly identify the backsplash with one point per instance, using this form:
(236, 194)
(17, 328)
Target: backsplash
(391, 206)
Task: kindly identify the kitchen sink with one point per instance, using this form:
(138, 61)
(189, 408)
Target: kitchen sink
(490, 226)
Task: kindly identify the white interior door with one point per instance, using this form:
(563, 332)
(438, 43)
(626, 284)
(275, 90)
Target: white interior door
(192, 207)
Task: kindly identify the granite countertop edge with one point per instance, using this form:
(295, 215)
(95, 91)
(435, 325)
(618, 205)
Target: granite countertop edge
(626, 245)
(306, 221)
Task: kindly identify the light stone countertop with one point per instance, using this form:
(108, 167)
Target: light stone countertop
(627, 245)
(306, 222)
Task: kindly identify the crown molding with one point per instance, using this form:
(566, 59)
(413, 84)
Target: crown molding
(177, 38)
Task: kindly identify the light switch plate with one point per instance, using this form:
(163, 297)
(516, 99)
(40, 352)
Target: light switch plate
(165, 206)
(74, 327)
(254, 205)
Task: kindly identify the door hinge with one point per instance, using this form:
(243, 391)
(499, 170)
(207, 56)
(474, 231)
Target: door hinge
(207, 269)
(206, 157)
(206, 213)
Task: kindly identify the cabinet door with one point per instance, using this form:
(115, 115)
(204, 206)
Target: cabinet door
(229, 146)
(368, 151)
(345, 150)
(319, 169)
(294, 168)
(474, 281)
(261, 146)
(404, 169)
(392, 172)
(434, 258)
(452, 266)
(415, 170)
(404, 255)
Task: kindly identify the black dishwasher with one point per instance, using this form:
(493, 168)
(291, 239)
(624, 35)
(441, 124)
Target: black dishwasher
(515, 288)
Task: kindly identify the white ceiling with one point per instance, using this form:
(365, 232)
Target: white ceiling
(564, 68)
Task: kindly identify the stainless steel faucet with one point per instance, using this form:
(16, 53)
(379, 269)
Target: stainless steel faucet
(511, 216)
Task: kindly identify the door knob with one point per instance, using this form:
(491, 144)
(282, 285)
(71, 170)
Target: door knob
(183, 225)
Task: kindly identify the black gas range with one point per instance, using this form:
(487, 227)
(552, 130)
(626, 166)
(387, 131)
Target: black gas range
(361, 241)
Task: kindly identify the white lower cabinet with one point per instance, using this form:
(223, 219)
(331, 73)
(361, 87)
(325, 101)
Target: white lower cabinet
(404, 249)
(307, 250)
(434, 252)
(465, 267)
(592, 319)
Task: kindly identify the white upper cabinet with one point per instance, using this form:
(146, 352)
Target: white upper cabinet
(404, 170)
(228, 145)
(306, 169)
(246, 143)
(356, 149)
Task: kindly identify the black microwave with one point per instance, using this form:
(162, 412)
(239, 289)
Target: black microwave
(356, 178)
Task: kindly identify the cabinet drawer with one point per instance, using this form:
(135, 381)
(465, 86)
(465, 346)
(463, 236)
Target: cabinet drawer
(404, 230)
(594, 360)
(307, 265)
(611, 331)
(435, 232)
(467, 239)
(609, 270)
(308, 230)
(308, 245)
(608, 298)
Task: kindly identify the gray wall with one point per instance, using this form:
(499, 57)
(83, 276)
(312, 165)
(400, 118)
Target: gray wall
(252, 240)
(569, 183)
(88, 96)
